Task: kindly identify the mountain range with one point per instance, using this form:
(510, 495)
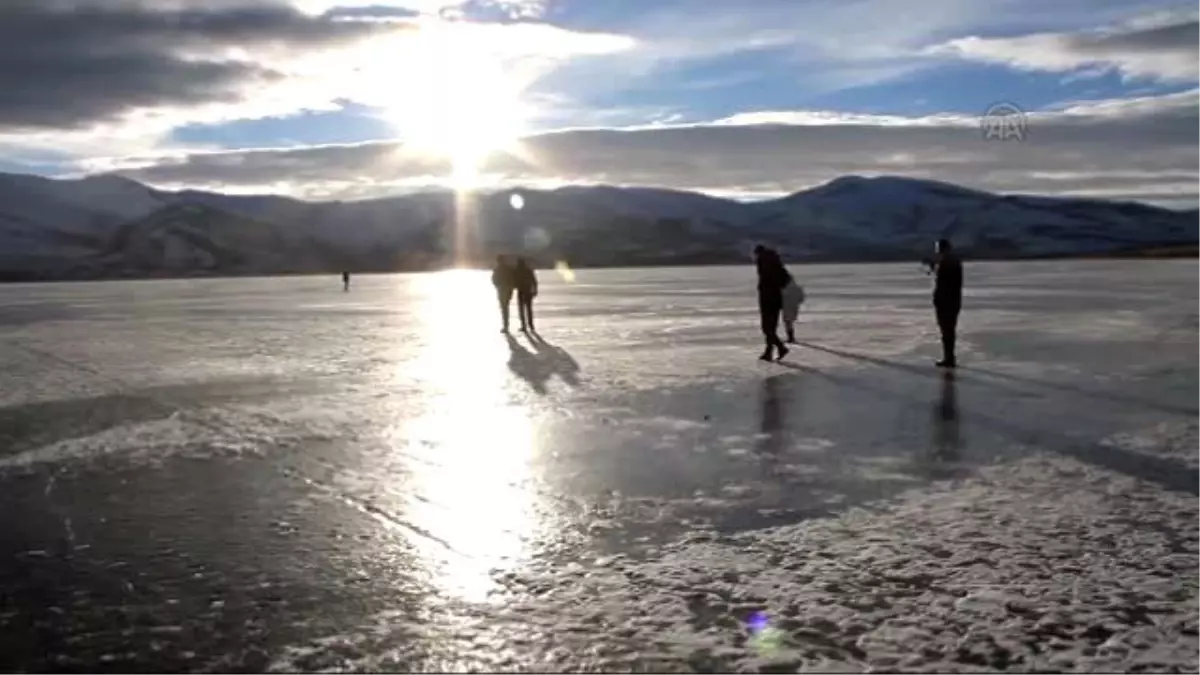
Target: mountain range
(108, 226)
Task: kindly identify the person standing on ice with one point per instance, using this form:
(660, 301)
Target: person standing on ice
(527, 289)
(793, 297)
(346, 281)
(773, 277)
(502, 279)
(947, 298)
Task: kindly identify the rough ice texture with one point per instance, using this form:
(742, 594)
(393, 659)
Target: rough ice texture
(1045, 564)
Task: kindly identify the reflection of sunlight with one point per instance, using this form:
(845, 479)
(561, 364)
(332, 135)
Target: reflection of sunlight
(474, 494)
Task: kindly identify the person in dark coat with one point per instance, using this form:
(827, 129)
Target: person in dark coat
(503, 280)
(345, 281)
(527, 289)
(947, 298)
(772, 278)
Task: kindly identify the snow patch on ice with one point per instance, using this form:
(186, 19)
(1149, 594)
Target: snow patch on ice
(207, 432)
(1179, 440)
(675, 423)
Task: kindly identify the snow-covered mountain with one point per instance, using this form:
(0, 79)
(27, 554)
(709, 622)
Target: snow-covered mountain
(188, 238)
(882, 217)
(111, 226)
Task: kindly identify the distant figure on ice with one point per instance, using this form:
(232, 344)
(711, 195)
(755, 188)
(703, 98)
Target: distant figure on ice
(772, 278)
(345, 281)
(502, 279)
(793, 297)
(947, 298)
(527, 289)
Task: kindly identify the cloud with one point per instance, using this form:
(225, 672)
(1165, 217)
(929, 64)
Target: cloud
(511, 10)
(447, 9)
(812, 48)
(72, 64)
(111, 76)
(1165, 51)
(1135, 148)
(371, 12)
(108, 80)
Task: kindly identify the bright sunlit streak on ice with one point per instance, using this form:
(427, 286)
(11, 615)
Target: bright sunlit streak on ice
(474, 488)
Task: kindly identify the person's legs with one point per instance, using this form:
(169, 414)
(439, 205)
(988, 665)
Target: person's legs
(523, 310)
(773, 333)
(763, 322)
(769, 317)
(947, 318)
(952, 335)
(505, 299)
(791, 310)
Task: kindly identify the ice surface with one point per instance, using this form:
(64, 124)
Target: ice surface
(271, 473)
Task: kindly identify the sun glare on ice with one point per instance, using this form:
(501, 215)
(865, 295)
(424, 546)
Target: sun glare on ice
(477, 443)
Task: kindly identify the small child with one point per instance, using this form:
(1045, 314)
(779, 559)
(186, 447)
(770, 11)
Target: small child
(793, 297)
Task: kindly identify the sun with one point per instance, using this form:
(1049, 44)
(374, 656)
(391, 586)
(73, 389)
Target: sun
(460, 106)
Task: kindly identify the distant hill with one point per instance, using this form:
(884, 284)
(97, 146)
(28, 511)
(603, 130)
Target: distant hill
(110, 226)
(1178, 251)
(181, 239)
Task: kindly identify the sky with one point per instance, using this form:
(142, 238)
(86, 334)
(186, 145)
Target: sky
(348, 99)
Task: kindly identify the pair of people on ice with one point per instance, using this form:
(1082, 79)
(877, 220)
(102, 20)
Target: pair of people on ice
(778, 295)
(518, 277)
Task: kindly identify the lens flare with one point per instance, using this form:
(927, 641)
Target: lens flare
(564, 270)
(764, 637)
(516, 201)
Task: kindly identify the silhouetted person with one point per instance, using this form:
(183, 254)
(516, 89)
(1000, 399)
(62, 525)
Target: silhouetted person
(527, 289)
(947, 298)
(345, 281)
(772, 278)
(502, 279)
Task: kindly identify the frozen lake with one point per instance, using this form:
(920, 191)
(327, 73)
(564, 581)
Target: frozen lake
(239, 474)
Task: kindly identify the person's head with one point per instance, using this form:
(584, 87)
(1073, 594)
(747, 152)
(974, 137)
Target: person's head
(943, 246)
(501, 260)
(759, 250)
(521, 262)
